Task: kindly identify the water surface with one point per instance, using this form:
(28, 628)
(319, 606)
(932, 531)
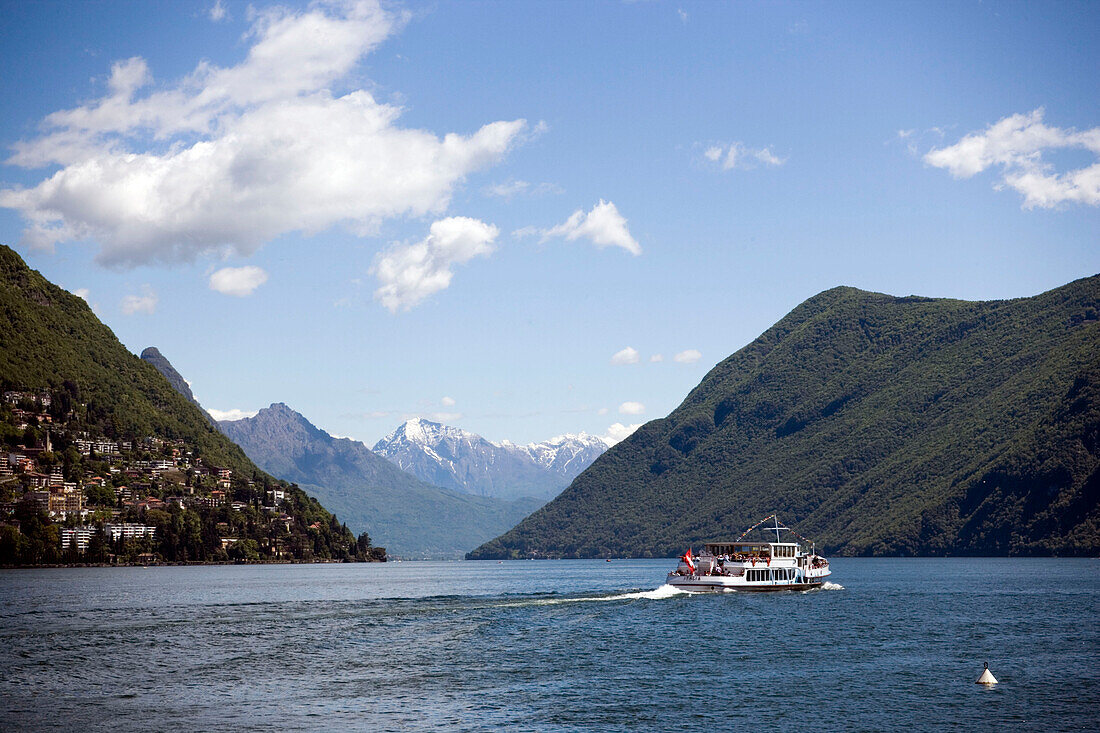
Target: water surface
(548, 646)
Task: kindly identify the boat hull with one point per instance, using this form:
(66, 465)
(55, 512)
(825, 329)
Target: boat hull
(716, 585)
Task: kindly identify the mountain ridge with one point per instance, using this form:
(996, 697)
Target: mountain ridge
(464, 461)
(876, 424)
(152, 355)
(413, 518)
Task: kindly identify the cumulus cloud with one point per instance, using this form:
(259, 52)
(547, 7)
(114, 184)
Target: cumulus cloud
(604, 226)
(631, 408)
(231, 414)
(629, 355)
(226, 159)
(238, 281)
(410, 273)
(144, 303)
(1015, 145)
(687, 357)
(82, 293)
(618, 432)
(737, 155)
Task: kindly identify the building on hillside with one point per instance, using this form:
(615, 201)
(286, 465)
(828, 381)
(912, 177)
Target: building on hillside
(37, 480)
(129, 531)
(65, 502)
(42, 498)
(82, 535)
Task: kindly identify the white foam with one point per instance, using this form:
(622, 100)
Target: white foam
(657, 594)
(831, 586)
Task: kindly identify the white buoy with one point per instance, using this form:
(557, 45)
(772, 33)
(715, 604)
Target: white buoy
(987, 677)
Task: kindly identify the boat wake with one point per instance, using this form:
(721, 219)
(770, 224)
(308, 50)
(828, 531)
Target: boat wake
(657, 594)
(831, 586)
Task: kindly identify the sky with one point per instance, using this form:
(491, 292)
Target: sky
(529, 219)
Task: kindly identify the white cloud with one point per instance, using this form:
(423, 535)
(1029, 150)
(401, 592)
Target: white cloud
(656, 358)
(629, 355)
(238, 281)
(447, 402)
(508, 189)
(513, 187)
(683, 15)
(602, 411)
(631, 408)
(144, 303)
(737, 155)
(218, 12)
(82, 293)
(231, 414)
(687, 357)
(410, 273)
(226, 159)
(619, 432)
(604, 226)
(1016, 144)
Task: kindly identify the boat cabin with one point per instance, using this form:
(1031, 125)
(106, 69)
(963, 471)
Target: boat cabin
(753, 549)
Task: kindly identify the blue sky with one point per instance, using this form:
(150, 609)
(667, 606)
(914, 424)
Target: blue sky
(501, 215)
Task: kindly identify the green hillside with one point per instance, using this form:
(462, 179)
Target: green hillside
(52, 343)
(876, 425)
(49, 336)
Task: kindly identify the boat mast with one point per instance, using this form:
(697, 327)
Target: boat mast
(776, 528)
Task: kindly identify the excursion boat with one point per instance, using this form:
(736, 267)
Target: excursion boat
(752, 566)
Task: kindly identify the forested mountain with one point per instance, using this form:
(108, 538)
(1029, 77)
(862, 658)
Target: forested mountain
(874, 424)
(52, 344)
(458, 459)
(410, 517)
(153, 356)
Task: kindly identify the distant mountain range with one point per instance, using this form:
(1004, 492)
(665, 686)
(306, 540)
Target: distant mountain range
(875, 425)
(407, 516)
(464, 461)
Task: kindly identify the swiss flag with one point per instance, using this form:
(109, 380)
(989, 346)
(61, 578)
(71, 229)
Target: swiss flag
(688, 559)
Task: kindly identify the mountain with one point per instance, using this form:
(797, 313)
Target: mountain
(153, 356)
(563, 456)
(51, 343)
(464, 461)
(410, 517)
(49, 336)
(873, 424)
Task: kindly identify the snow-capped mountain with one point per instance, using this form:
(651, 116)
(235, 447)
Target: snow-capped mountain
(458, 459)
(563, 455)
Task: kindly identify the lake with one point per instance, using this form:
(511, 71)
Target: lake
(549, 646)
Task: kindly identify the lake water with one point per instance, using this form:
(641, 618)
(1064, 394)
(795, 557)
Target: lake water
(549, 646)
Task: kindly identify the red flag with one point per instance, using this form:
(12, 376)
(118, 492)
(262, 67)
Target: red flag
(687, 559)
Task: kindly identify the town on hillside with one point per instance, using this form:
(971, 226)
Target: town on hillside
(70, 494)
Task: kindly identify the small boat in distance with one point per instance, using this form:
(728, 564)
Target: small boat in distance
(751, 566)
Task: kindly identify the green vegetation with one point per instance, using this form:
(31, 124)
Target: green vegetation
(51, 344)
(876, 425)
